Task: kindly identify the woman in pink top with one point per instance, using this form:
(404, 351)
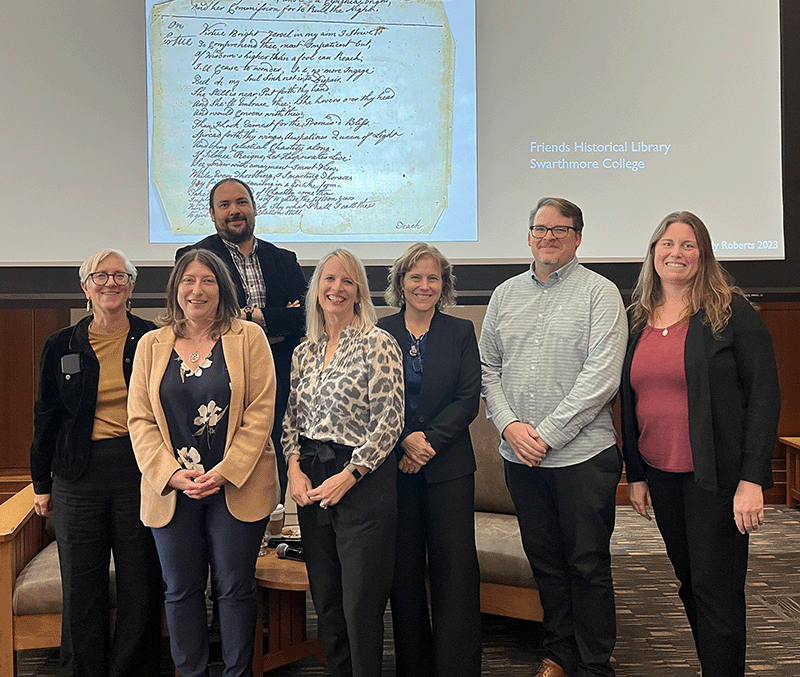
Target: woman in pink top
(700, 408)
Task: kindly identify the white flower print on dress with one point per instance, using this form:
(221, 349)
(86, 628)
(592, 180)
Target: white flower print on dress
(189, 458)
(209, 415)
(186, 370)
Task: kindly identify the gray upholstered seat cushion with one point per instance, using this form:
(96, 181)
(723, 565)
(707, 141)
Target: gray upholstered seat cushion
(500, 554)
(38, 586)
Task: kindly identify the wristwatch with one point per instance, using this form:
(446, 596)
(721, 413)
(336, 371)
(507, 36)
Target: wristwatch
(356, 472)
(248, 313)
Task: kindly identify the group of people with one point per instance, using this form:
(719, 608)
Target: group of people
(171, 446)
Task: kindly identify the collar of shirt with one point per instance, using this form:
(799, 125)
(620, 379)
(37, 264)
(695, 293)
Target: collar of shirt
(234, 248)
(348, 332)
(249, 268)
(557, 275)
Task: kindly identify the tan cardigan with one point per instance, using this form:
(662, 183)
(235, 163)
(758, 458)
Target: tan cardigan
(248, 464)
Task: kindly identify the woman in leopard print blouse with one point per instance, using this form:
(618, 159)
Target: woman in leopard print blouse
(344, 416)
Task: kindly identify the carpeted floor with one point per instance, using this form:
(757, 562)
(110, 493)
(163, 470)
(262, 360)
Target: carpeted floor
(654, 639)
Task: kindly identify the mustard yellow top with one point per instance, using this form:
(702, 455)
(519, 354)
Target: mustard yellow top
(111, 412)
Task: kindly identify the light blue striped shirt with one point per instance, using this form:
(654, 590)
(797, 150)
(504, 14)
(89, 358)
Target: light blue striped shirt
(551, 356)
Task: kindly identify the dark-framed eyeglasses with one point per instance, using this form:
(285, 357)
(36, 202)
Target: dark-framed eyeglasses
(100, 278)
(559, 232)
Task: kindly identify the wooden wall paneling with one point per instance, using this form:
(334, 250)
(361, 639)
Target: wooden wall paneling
(16, 385)
(23, 332)
(783, 322)
(46, 322)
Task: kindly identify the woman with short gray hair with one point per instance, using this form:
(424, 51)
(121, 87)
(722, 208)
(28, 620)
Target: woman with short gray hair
(85, 474)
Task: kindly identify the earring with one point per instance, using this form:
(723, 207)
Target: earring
(128, 305)
(357, 308)
(88, 305)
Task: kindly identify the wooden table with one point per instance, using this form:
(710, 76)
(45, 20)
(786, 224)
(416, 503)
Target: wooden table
(792, 445)
(286, 640)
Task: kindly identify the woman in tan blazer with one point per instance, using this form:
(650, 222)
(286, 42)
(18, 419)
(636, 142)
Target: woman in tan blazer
(200, 414)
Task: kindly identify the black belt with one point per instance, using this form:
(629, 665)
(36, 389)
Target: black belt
(326, 459)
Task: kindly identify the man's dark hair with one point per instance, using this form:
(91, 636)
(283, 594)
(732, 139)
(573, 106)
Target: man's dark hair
(567, 208)
(219, 183)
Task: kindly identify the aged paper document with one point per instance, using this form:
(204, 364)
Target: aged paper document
(338, 113)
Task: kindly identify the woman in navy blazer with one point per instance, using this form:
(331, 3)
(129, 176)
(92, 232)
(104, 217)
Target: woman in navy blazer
(436, 480)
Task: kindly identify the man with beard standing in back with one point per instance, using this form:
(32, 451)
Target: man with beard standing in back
(270, 285)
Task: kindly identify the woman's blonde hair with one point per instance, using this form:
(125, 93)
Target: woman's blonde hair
(227, 308)
(711, 290)
(406, 261)
(365, 316)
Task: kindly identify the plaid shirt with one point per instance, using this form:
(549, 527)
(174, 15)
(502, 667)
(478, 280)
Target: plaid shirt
(249, 268)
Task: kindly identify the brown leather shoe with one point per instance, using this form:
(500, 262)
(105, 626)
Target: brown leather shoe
(550, 668)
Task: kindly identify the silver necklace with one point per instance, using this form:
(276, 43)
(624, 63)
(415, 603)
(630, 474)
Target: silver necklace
(194, 356)
(414, 349)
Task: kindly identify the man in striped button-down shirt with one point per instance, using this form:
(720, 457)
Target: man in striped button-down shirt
(552, 347)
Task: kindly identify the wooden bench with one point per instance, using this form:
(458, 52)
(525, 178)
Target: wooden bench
(792, 445)
(22, 537)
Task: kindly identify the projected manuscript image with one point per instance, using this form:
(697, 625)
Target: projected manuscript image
(338, 114)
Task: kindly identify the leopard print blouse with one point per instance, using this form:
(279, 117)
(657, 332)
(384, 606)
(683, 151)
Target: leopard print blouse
(357, 401)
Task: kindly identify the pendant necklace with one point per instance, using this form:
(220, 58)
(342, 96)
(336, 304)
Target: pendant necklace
(665, 330)
(414, 349)
(194, 356)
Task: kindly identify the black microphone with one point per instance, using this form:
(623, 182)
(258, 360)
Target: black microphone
(286, 551)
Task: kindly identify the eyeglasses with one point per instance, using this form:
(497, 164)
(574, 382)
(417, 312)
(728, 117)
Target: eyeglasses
(559, 232)
(119, 278)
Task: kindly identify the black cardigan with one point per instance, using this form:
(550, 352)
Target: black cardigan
(449, 398)
(734, 402)
(69, 373)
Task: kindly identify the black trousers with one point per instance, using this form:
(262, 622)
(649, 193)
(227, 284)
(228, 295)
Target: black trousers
(349, 551)
(436, 522)
(709, 556)
(566, 518)
(93, 516)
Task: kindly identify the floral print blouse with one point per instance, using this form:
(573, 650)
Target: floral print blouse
(357, 401)
(196, 398)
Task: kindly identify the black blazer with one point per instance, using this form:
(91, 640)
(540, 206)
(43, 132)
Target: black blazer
(450, 395)
(283, 278)
(69, 373)
(734, 402)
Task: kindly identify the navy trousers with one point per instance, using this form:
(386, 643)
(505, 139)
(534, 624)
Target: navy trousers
(201, 534)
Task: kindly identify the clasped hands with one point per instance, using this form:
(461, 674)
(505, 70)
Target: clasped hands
(329, 493)
(195, 483)
(418, 451)
(526, 443)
